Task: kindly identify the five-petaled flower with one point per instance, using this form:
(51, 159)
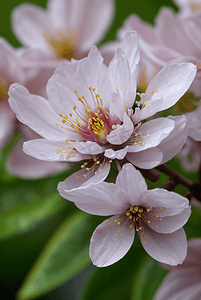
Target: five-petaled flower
(91, 113)
(157, 215)
(66, 29)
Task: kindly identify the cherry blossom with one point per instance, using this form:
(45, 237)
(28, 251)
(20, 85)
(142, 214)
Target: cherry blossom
(161, 44)
(189, 7)
(190, 153)
(66, 29)
(157, 215)
(31, 69)
(184, 282)
(89, 112)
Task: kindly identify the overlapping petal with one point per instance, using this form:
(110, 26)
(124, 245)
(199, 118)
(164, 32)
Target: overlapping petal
(109, 242)
(168, 85)
(167, 248)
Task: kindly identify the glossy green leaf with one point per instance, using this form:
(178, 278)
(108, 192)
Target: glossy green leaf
(26, 215)
(147, 280)
(18, 252)
(66, 254)
(26, 203)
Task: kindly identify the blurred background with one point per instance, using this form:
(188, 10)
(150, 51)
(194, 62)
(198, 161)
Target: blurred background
(44, 239)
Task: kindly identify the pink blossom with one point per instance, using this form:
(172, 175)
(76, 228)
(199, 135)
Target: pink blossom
(189, 7)
(66, 29)
(161, 44)
(30, 68)
(10, 71)
(190, 153)
(184, 282)
(89, 112)
(157, 215)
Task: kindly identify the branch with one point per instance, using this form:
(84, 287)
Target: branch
(174, 176)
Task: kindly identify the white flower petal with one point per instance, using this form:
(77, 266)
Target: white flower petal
(132, 182)
(118, 154)
(120, 76)
(162, 198)
(53, 151)
(171, 223)
(166, 248)
(88, 147)
(151, 133)
(110, 242)
(122, 133)
(171, 82)
(29, 22)
(173, 143)
(130, 46)
(22, 165)
(37, 113)
(146, 159)
(93, 30)
(102, 199)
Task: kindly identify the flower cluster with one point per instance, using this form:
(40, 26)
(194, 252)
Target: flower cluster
(102, 107)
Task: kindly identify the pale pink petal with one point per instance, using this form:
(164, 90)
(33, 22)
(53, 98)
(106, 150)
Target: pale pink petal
(170, 248)
(117, 109)
(145, 30)
(7, 123)
(141, 114)
(69, 188)
(151, 133)
(110, 242)
(62, 13)
(193, 122)
(146, 159)
(53, 151)
(120, 77)
(170, 83)
(22, 165)
(168, 200)
(168, 36)
(122, 133)
(70, 77)
(194, 253)
(180, 284)
(130, 46)
(88, 147)
(118, 154)
(29, 23)
(102, 199)
(132, 182)
(169, 224)
(173, 143)
(93, 30)
(74, 13)
(37, 113)
(10, 67)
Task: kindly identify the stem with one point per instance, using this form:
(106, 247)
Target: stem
(169, 185)
(149, 174)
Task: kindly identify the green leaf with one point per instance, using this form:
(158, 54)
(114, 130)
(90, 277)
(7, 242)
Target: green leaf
(115, 281)
(26, 203)
(26, 215)
(20, 251)
(66, 254)
(147, 280)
